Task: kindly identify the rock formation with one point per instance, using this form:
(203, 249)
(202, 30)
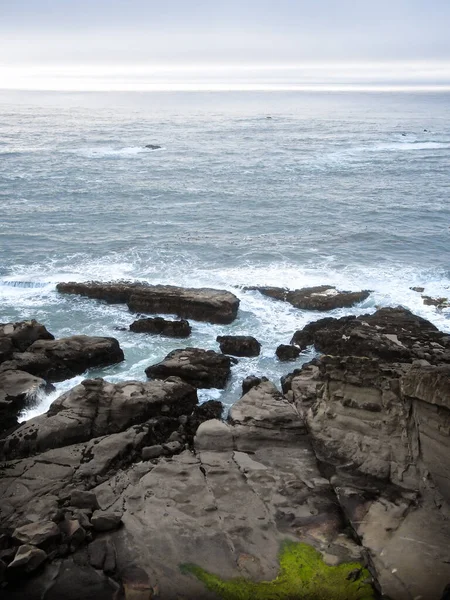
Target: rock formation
(320, 298)
(160, 326)
(201, 304)
(239, 345)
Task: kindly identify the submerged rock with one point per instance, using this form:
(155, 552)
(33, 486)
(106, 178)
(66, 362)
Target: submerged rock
(160, 326)
(153, 146)
(200, 368)
(438, 302)
(202, 304)
(239, 345)
(320, 298)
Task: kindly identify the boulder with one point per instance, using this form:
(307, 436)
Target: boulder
(251, 381)
(73, 533)
(286, 352)
(418, 289)
(18, 390)
(41, 533)
(95, 408)
(102, 555)
(106, 520)
(84, 499)
(239, 345)
(438, 302)
(22, 334)
(392, 334)
(160, 326)
(320, 298)
(27, 559)
(56, 360)
(201, 304)
(200, 368)
(151, 452)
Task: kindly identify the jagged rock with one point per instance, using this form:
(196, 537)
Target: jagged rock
(95, 408)
(321, 298)
(200, 368)
(84, 499)
(202, 304)
(160, 326)
(56, 360)
(286, 352)
(150, 452)
(20, 336)
(105, 520)
(17, 391)
(41, 533)
(438, 302)
(391, 334)
(27, 559)
(251, 381)
(239, 345)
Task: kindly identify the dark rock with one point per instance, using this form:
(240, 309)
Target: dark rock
(84, 499)
(172, 448)
(286, 352)
(239, 345)
(22, 334)
(106, 520)
(102, 555)
(153, 146)
(417, 289)
(202, 304)
(393, 334)
(27, 559)
(96, 407)
(73, 533)
(211, 409)
(249, 382)
(438, 302)
(321, 298)
(41, 533)
(80, 582)
(200, 368)
(160, 326)
(150, 452)
(18, 390)
(56, 360)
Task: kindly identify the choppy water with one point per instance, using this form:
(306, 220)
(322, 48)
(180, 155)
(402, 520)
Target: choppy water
(339, 188)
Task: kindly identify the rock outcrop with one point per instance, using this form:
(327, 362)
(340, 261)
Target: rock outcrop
(239, 345)
(320, 298)
(286, 352)
(200, 368)
(201, 304)
(160, 326)
(18, 390)
(56, 360)
(17, 337)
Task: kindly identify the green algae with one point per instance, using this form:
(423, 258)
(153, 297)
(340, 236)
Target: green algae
(303, 575)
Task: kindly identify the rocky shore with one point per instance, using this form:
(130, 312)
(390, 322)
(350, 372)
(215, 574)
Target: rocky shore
(333, 483)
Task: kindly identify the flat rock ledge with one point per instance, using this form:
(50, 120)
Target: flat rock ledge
(201, 304)
(320, 298)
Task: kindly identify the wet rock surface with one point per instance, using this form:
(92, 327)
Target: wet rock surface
(160, 326)
(286, 352)
(201, 304)
(320, 298)
(200, 368)
(239, 345)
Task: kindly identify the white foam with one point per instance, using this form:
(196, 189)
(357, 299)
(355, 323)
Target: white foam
(110, 151)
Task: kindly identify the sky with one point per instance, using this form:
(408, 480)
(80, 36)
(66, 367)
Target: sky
(142, 42)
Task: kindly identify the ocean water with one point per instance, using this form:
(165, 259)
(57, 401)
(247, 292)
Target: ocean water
(343, 188)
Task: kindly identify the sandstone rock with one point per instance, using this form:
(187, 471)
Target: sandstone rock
(95, 408)
(321, 298)
(214, 435)
(150, 452)
(105, 520)
(17, 391)
(172, 448)
(73, 533)
(239, 345)
(392, 334)
(56, 360)
(286, 352)
(27, 559)
(202, 304)
(41, 533)
(200, 368)
(160, 326)
(102, 555)
(83, 499)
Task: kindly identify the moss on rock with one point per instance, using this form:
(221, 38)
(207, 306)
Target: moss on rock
(303, 576)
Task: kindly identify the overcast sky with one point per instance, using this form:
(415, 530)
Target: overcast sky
(222, 32)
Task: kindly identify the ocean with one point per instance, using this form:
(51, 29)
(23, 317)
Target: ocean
(248, 188)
